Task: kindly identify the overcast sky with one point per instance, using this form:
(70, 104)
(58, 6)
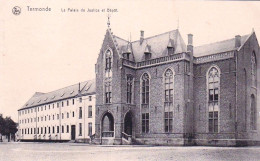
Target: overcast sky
(45, 51)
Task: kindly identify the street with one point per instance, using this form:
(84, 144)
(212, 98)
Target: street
(73, 152)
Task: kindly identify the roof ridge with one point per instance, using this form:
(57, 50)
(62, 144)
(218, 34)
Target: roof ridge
(219, 41)
(121, 38)
(65, 87)
(156, 35)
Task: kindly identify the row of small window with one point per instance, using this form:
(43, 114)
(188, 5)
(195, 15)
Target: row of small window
(47, 130)
(49, 106)
(58, 116)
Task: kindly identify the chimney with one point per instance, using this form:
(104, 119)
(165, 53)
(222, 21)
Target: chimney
(237, 41)
(79, 88)
(141, 37)
(190, 43)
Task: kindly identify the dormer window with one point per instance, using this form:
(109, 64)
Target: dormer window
(170, 47)
(147, 56)
(170, 50)
(126, 56)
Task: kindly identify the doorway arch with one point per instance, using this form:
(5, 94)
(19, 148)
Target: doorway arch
(107, 125)
(128, 123)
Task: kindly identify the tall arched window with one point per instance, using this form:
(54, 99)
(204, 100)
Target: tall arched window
(213, 98)
(129, 90)
(168, 102)
(145, 89)
(108, 76)
(254, 69)
(145, 92)
(253, 113)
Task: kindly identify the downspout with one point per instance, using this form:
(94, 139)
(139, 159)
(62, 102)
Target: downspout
(36, 130)
(236, 54)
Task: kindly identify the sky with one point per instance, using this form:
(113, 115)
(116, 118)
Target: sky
(45, 51)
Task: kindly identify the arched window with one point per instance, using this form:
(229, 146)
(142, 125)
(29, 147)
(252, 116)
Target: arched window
(145, 94)
(253, 113)
(254, 69)
(213, 98)
(168, 102)
(129, 89)
(108, 76)
(108, 63)
(145, 88)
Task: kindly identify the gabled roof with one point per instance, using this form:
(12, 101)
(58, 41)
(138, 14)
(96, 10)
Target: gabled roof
(157, 45)
(218, 47)
(87, 87)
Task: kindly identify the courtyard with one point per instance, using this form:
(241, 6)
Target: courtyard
(25, 151)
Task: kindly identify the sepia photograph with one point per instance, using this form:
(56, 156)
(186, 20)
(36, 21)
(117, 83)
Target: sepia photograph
(144, 80)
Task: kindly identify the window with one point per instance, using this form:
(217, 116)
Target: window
(58, 105)
(254, 70)
(147, 56)
(73, 114)
(68, 115)
(68, 103)
(108, 93)
(108, 60)
(129, 88)
(90, 98)
(170, 50)
(53, 129)
(213, 99)
(145, 88)
(108, 77)
(80, 129)
(49, 130)
(58, 117)
(53, 117)
(168, 100)
(41, 130)
(68, 128)
(62, 129)
(80, 113)
(89, 129)
(62, 115)
(80, 100)
(253, 117)
(73, 101)
(90, 111)
(45, 118)
(31, 130)
(58, 129)
(145, 122)
(62, 104)
(45, 130)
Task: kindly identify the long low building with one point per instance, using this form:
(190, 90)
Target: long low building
(61, 115)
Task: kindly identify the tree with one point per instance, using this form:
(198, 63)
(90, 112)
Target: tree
(9, 127)
(2, 125)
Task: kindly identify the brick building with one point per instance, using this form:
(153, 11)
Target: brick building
(158, 90)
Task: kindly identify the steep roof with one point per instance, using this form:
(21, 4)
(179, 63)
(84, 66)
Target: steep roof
(217, 47)
(157, 45)
(87, 87)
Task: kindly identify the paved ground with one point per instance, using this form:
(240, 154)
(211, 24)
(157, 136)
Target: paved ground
(83, 152)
